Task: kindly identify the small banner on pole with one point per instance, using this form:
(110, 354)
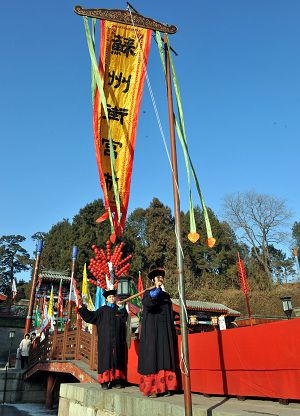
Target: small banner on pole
(123, 58)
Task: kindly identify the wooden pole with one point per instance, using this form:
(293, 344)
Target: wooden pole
(33, 287)
(136, 294)
(182, 302)
(51, 380)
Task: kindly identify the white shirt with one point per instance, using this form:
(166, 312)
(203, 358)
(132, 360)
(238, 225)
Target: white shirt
(24, 347)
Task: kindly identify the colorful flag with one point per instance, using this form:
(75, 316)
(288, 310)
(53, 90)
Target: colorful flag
(45, 308)
(14, 289)
(60, 306)
(45, 319)
(37, 317)
(99, 298)
(50, 309)
(123, 60)
(85, 294)
(86, 299)
(72, 293)
(140, 284)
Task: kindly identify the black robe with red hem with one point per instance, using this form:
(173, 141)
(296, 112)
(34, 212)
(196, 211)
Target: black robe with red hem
(158, 341)
(111, 329)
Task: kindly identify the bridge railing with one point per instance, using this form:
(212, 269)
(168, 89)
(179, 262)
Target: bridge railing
(72, 344)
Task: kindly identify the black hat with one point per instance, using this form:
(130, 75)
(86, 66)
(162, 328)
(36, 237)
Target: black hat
(109, 292)
(156, 272)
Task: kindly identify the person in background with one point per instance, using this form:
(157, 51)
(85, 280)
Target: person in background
(33, 337)
(24, 349)
(110, 321)
(157, 353)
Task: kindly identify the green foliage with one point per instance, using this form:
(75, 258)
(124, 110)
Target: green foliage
(57, 249)
(13, 259)
(296, 233)
(149, 235)
(86, 232)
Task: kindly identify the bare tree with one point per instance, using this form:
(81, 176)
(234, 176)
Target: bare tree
(260, 220)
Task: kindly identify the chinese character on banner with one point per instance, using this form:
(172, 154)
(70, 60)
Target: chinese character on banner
(124, 53)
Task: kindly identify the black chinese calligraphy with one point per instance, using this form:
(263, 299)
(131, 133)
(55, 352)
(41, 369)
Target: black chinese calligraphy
(105, 142)
(119, 80)
(115, 113)
(109, 181)
(122, 45)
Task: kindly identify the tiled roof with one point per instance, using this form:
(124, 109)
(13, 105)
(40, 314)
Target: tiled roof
(208, 306)
(2, 296)
(54, 275)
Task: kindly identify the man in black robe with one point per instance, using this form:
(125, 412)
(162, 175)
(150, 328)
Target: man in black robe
(157, 352)
(110, 321)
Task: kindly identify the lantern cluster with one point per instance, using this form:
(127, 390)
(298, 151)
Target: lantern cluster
(107, 266)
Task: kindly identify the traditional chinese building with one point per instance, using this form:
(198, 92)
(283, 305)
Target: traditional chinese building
(204, 316)
(48, 279)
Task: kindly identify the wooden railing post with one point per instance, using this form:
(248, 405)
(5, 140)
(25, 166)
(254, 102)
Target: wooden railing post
(92, 349)
(77, 346)
(63, 355)
(54, 341)
(50, 387)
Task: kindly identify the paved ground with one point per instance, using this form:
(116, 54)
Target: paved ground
(25, 409)
(222, 406)
(11, 411)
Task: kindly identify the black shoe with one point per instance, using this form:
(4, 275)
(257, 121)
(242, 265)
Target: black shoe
(104, 386)
(118, 385)
(169, 393)
(152, 396)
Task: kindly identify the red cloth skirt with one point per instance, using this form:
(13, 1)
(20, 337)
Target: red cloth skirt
(110, 375)
(157, 383)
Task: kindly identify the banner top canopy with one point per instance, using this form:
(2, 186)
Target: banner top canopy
(126, 17)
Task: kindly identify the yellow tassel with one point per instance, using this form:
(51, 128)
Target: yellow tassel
(193, 237)
(211, 242)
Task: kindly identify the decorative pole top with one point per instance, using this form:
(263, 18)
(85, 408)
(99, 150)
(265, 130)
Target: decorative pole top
(74, 252)
(127, 18)
(40, 244)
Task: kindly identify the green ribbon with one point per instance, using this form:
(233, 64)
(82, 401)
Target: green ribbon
(180, 128)
(93, 80)
(97, 80)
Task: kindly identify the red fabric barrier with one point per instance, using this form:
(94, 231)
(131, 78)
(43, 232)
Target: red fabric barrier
(260, 361)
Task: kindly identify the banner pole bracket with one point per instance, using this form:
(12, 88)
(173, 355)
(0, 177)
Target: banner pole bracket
(125, 17)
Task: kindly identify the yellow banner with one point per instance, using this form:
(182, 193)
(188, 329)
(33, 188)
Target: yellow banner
(123, 60)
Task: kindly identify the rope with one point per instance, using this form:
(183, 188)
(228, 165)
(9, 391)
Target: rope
(154, 103)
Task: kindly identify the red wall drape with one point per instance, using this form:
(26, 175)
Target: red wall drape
(259, 361)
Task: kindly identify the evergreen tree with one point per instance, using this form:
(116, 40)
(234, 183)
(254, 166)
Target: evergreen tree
(57, 249)
(13, 259)
(86, 232)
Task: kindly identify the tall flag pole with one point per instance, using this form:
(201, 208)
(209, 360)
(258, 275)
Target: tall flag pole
(244, 284)
(181, 280)
(33, 287)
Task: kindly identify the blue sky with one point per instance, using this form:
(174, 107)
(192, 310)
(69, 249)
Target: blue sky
(238, 68)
